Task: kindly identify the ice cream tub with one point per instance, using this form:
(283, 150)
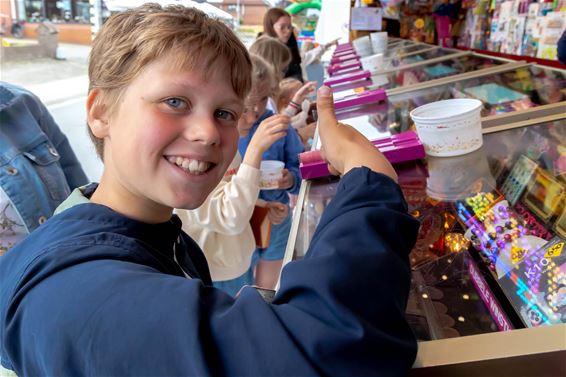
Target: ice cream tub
(271, 171)
(450, 127)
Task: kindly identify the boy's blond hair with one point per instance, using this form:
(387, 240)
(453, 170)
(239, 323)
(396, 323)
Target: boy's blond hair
(132, 39)
(274, 51)
(263, 74)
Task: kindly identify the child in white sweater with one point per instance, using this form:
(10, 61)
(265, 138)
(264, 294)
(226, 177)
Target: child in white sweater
(221, 225)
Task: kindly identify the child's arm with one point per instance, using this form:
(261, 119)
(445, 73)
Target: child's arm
(268, 132)
(229, 207)
(291, 180)
(294, 107)
(313, 55)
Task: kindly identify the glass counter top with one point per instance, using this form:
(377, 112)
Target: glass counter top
(418, 57)
(503, 92)
(398, 45)
(406, 49)
(426, 72)
(490, 254)
(395, 63)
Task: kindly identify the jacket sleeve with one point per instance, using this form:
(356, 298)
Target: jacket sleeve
(293, 146)
(228, 209)
(339, 311)
(312, 55)
(69, 163)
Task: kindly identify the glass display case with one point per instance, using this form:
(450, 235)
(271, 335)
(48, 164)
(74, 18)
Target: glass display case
(507, 91)
(489, 265)
(392, 64)
(403, 77)
(419, 56)
(397, 52)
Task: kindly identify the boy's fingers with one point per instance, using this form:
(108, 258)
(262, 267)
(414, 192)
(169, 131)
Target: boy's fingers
(325, 108)
(331, 168)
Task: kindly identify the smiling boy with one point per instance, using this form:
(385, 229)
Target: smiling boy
(111, 286)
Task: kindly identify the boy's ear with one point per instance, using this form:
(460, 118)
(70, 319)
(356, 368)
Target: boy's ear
(96, 114)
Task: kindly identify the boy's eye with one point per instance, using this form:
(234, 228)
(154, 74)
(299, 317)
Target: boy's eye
(176, 103)
(225, 115)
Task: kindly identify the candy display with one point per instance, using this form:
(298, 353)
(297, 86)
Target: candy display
(523, 87)
(489, 255)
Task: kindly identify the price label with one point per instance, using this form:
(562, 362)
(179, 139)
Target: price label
(555, 250)
(517, 254)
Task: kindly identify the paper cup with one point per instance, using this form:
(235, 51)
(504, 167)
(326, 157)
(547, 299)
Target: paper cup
(270, 174)
(362, 45)
(379, 42)
(372, 63)
(449, 128)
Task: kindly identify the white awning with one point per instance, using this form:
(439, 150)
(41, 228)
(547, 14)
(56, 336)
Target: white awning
(211, 10)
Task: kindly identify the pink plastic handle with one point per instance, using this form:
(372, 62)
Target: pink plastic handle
(359, 75)
(398, 148)
(343, 58)
(335, 68)
(343, 52)
(358, 99)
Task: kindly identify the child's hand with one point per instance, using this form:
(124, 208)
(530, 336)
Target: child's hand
(334, 42)
(304, 92)
(343, 147)
(277, 212)
(268, 132)
(287, 180)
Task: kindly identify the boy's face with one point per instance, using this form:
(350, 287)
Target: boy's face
(255, 106)
(170, 141)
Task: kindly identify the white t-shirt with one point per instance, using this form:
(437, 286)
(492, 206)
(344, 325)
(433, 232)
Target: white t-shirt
(12, 229)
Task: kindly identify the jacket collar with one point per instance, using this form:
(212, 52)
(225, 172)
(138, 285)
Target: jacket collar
(160, 236)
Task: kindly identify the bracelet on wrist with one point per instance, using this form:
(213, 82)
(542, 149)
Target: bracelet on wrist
(294, 104)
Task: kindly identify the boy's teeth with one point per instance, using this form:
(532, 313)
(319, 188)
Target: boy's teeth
(191, 166)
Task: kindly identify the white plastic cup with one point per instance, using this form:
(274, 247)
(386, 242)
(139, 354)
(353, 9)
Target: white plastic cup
(362, 45)
(450, 127)
(379, 42)
(271, 171)
(372, 63)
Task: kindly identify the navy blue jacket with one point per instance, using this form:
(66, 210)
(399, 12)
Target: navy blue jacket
(92, 292)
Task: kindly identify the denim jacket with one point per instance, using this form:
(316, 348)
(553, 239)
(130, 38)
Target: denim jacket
(38, 168)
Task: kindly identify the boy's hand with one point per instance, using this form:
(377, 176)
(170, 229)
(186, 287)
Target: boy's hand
(287, 180)
(277, 212)
(304, 92)
(268, 132)
(344, 148)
